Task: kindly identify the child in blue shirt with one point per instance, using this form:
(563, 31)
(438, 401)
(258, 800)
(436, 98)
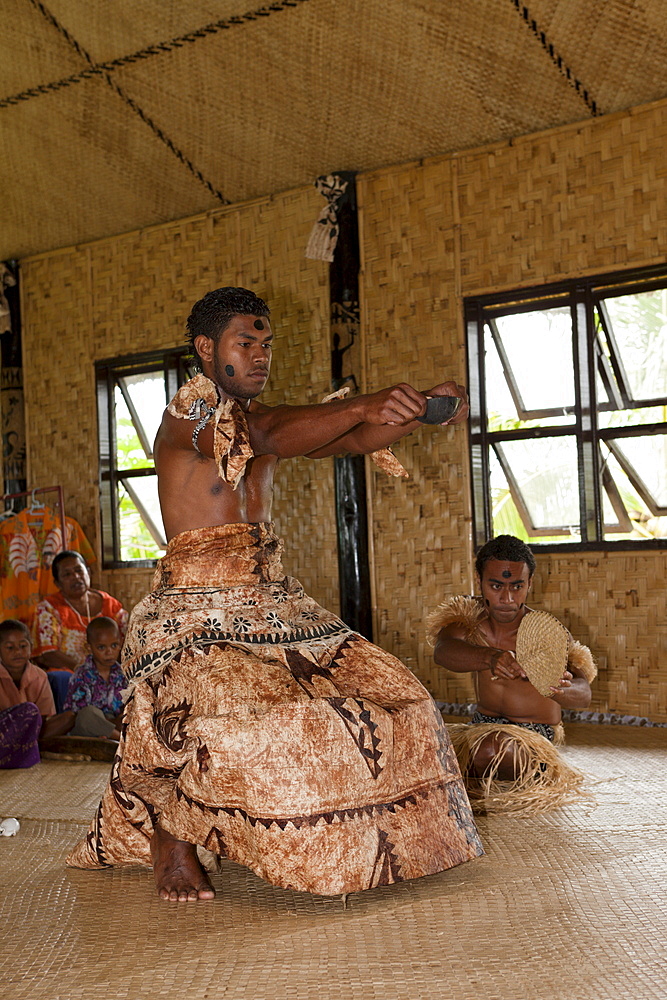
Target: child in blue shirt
(95, 690)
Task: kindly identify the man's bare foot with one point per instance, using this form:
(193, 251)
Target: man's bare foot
(179, 877)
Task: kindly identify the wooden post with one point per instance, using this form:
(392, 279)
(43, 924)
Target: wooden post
(349, 470)
(11, 387)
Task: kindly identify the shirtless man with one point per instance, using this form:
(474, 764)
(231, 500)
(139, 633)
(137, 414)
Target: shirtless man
(215, 455)
(238, 360)
(478, 636)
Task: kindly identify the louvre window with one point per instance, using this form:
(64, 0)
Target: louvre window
(132, 393)
(568, 387)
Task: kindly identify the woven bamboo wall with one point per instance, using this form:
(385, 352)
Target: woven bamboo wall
(421, 525)
(616, 603)
(133, 294)
(582, 199)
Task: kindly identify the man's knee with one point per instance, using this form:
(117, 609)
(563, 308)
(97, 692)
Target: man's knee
(499, 752)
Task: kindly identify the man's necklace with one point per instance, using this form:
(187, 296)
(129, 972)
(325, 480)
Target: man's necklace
(78, 614)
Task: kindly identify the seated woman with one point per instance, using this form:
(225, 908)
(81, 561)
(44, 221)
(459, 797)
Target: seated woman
(27, 711)
(62, 619)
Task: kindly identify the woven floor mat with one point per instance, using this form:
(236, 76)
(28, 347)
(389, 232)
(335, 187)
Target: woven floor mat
(53, 789)
(568, 906)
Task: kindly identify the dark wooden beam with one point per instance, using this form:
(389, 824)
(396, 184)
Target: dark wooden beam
(349, 470)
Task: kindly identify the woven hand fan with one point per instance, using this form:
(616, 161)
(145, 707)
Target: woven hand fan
(542, 645)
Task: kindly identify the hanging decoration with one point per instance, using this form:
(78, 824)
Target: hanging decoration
(324, 235)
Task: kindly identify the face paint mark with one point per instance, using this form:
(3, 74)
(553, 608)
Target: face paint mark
(229, 370)
(506, 574)
(258, 324)
(486, 601)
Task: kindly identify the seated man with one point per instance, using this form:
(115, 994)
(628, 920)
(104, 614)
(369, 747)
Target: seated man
(514, 728)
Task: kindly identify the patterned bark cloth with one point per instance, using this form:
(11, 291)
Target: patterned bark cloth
(261, 728)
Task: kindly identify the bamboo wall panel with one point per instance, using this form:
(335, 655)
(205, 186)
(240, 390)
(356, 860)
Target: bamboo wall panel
(412, 334)
(59, 384)
(581, 199)
(133, 294)
(133, 584)
(616, 603)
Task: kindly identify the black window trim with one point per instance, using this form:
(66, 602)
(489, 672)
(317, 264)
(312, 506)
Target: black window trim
(583, 295)
(173, 364)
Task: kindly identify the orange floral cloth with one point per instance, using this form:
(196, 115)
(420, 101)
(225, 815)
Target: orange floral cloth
(59, 627)
(28, 543)
(263, 729)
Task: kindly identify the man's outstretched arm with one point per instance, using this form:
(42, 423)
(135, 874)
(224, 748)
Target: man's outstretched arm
(287, 431)
(319, 430)
(367, 437)
(322, 429)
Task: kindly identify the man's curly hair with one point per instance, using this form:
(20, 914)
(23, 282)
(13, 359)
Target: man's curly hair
(505, 548)
(212, 315)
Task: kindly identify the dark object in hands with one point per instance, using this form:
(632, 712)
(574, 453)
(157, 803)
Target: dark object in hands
(439, 409)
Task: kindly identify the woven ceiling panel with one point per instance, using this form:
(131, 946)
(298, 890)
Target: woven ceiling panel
(110, 123)
(110, 31)
(619, 47)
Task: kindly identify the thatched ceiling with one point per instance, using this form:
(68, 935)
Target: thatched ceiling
(118, 115)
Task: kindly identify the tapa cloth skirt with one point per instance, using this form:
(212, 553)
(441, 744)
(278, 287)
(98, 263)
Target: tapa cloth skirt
(262, 728)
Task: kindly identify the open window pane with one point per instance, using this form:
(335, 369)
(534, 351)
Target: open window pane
(632, 418)
(644, 524)
(132, 394)
(543, 476)
(148, 396)
(512, 518)
(538, 349)
(136, 541)
(504, 410)
(639, 329)
(130, 452)
(144, 495)
(644, 461)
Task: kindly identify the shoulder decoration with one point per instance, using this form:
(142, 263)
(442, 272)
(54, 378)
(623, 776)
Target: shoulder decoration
(581, 658)
(384, 458)
(199, 399)
(467, 612)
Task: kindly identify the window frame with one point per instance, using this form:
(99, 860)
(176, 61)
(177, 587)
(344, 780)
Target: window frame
(583, 296)
(174, 364)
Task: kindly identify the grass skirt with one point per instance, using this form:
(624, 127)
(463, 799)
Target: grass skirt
(536, 789)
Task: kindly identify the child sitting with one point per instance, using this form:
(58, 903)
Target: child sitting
(27, 709)
(95, 687)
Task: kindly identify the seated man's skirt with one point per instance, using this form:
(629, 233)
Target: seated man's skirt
(261, 728)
